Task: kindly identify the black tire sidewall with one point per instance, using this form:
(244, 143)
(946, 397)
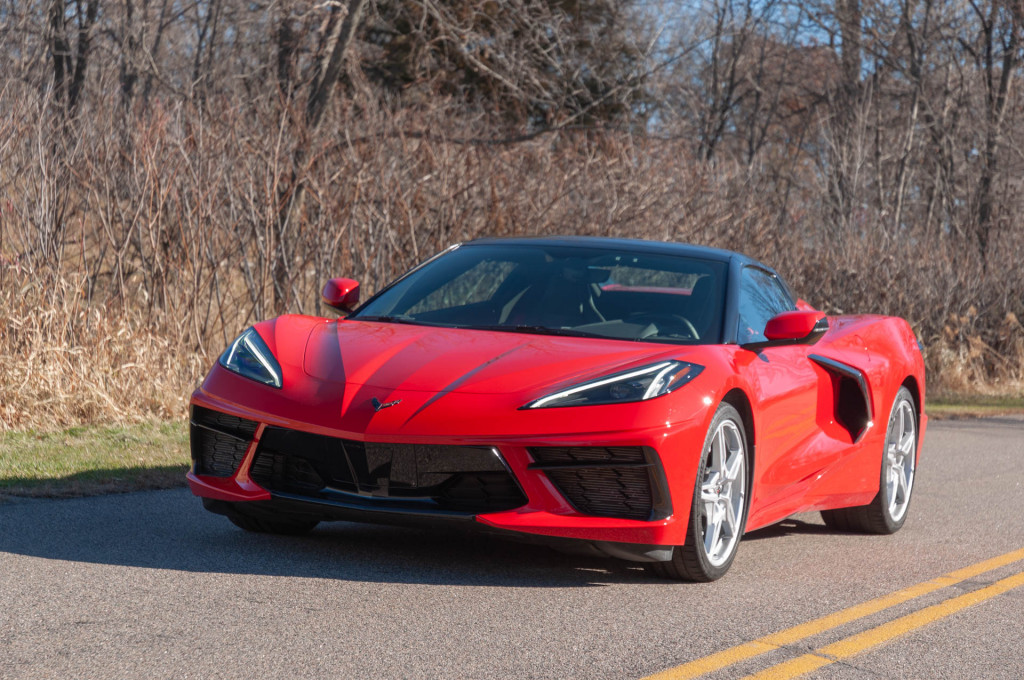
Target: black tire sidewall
(694, 546)
(891, 525)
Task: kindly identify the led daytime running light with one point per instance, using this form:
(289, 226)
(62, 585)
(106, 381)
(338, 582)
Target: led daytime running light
(664, 377)
(599, 383)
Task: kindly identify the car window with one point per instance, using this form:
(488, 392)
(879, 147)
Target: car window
(570, 290)
(762, 296)
(477, 284)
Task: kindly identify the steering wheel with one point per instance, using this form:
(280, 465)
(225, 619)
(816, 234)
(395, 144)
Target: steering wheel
(667, 324)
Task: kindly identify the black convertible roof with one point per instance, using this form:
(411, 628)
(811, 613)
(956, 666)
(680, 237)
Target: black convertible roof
(625, 245)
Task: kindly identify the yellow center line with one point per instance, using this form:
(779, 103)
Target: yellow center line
(875, 637)
(747, 650)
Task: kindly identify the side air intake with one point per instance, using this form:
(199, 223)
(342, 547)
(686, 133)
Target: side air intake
(851, 399)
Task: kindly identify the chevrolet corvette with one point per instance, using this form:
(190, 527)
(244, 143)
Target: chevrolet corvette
(647, 401)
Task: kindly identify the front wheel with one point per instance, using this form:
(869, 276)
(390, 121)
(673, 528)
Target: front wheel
(719, 509)
(888, 511)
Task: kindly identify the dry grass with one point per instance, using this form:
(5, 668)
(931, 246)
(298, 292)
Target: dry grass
(128, 258)
(64, 364)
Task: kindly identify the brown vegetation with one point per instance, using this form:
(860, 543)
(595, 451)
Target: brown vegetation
(179, 187)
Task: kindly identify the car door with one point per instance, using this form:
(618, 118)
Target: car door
(783, 384)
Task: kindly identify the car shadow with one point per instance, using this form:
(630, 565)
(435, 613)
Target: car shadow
(170, 530)
(790, 527)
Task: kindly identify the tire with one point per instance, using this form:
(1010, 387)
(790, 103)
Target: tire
(887, 512)
(718, 513)
(285, 527)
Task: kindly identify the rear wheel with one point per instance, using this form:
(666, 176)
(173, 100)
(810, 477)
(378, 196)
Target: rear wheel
(287, 527)
(718, 512)
(888, 511)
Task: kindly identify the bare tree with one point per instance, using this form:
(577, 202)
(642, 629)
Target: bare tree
(341, 29)
(997, 54)
(70, 42)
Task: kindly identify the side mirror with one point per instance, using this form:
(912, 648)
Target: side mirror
(796, 328)
(341, 294)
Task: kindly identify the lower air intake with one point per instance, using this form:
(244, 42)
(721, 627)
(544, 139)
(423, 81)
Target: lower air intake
(463, 479)
(219, 441)
(620, 482)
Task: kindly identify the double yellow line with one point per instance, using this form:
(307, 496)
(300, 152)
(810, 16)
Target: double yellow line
(860, 642)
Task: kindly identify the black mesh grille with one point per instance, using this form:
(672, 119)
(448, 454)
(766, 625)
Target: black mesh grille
(553, 455)
(457, 478)
(481, 491)
(285, 472)
(219, 441)
(606, 492)
(600, 481)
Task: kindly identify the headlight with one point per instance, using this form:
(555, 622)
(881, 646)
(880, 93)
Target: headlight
(250, 357)
(638, 384)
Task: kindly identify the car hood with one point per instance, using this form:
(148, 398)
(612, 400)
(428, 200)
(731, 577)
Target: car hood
(430, 359)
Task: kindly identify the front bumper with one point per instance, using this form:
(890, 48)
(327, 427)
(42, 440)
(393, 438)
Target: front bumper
(574, 497)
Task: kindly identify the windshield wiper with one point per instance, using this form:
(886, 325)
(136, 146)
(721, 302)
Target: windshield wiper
(539, 330)
(397, 318)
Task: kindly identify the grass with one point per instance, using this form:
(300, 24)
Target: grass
(91, 460)
(956, 406)
(85, 461)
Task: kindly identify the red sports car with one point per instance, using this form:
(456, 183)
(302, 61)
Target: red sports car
(652, 401)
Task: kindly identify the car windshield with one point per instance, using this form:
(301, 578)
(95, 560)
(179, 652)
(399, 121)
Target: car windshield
(561, 290)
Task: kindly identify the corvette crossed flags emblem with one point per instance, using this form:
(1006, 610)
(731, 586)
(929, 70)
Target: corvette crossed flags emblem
(378, 404)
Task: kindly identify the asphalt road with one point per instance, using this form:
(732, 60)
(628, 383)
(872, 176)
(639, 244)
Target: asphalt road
(148, 585)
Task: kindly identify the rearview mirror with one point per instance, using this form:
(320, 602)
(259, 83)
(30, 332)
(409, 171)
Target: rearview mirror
(341, 294)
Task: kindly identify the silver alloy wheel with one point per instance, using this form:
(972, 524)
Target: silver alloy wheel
(723, 493)
(900, 452)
